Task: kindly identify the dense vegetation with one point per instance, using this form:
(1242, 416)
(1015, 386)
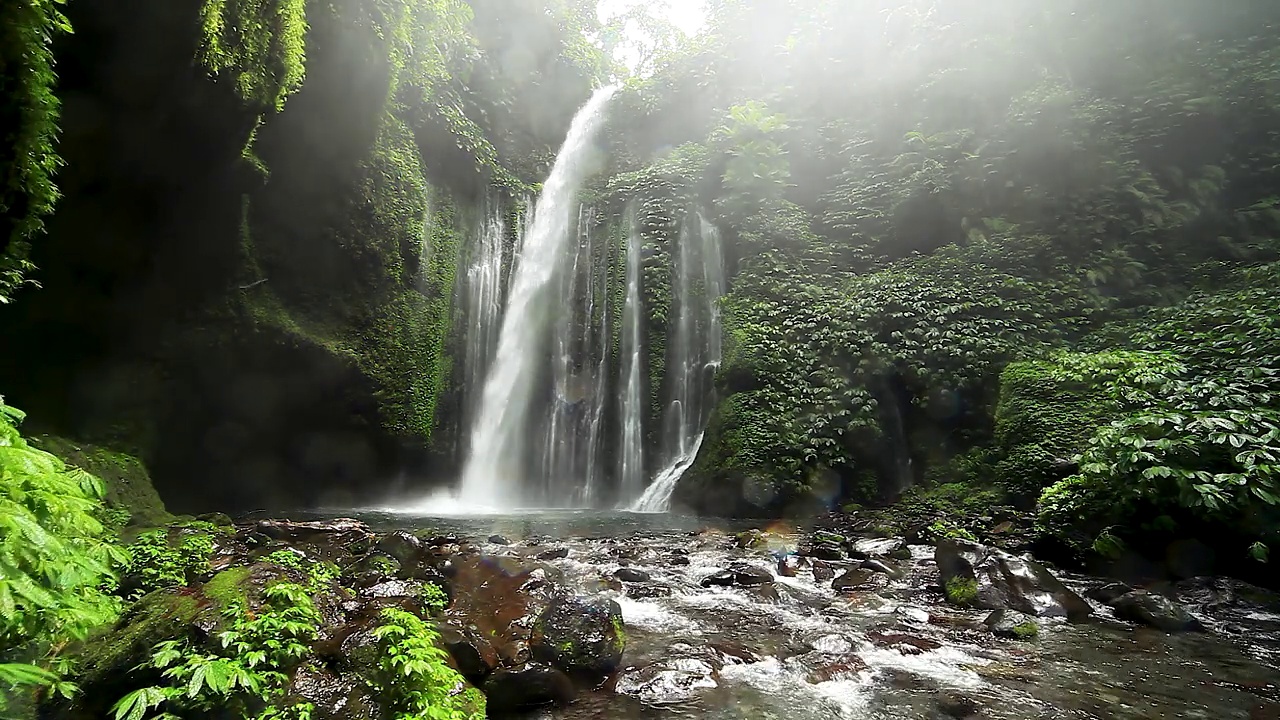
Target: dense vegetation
(991, 264)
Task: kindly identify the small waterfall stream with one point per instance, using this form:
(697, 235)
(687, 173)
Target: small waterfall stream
(498, 460)
(482, 297)
(695, 354)
(631, 475)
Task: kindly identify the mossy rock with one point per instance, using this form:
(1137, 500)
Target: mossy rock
(584, 637)
(108, 661)
(128, 484)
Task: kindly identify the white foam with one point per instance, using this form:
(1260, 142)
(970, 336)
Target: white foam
(652, 616)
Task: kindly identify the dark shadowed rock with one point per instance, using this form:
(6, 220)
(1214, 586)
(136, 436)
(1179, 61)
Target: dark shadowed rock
(581, 636)
(750, 540)
(825, 668)
(789, 565)
(499, 540)
(339, 531)
(881, 567)
(750, 575)
(402, 546)
(334, 697)
(823, 551)
(857, 579)
(641, 592)
(554, 554)
(822, 571)
(1155, 610)
(472, 653)
(767, 592)
(1108, 592)
(902, 642)
(631, 575)
(1012, 624)
(511, 690)
(992, 579)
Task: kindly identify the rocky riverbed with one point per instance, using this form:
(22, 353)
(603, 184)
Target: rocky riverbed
(608, 615)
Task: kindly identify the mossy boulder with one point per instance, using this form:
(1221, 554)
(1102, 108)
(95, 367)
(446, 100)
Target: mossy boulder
(108, 662)
(977, 576)
(582, 636)
(127, 481)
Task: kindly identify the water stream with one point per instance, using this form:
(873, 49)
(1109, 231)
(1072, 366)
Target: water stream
(631, 462)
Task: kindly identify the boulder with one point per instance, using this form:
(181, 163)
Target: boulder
(979, 576)
(582, 636)
(825, 668)
(789, 565)
(1108, 592)
(822, 571)
(740, 575)
(1155, 610)
(1012, 624)
(339, 531)
(823, 551)
(648, 591)
(512, 690)
(905, 644)
(332, 696)
(631, 575)
(473, 655)
(749, 540)
(554, 554)
(881, 567)
(499, 540)
(857, 579)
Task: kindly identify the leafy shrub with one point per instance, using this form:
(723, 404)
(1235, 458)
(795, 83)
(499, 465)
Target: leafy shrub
(156, 563)
(414, 679)
(248, 669)
(320, 575)
(56, 560)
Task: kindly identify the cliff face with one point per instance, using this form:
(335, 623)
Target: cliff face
(248, 280)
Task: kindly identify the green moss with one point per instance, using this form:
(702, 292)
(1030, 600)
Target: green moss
(227, 588)
(961, 590)
(162, 615)
(128, 484)
(1027, 630)
(259, 45)
(620, 632)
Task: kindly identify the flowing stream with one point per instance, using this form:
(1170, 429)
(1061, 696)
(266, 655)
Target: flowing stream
(497, 461)
(631, 465)
(795, 649)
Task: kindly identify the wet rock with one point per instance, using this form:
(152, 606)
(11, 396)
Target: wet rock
(988, 578)
(750, 540)
(958, 707)
(359, 651)
(403, 546)
(831, 644)
(880, 567)
(581, 636)
(631, 575)
(829, 668)
(436, 541)
(912, 614)
(339, 531)
(666, 681)
(768, 592)
(554, 554)
(1155, 610)
(902, 642)
(741, 575)
(393, 589)
(822, 572)
(879, 547)
(333, 697)
(732, 653)
(644, 592)
(823, 551)
(677, 561)
(857, 579)
(1012, 624)
(472, 653)
(511, 690)
(1108, 592)
(828, 537)
(499, 540)
(1215, 594)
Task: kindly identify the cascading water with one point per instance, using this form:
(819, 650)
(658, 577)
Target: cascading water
(482, 298)
(579, 371)
(695, 354)
(631, 463)
(495, 468)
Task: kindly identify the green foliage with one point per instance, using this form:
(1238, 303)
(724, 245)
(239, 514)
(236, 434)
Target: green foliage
(414, 679)
(434, 598)
(320, 575)
(943, 529)
(260, 45)
(131, 499)
(961, 590)
(249, 667)
(56, 559)
(29, 113)
(157, 562)
(1028, 630)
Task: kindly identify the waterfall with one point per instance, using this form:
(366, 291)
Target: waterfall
(482, 298)
(494, 473)
(695, 353)
(570, 466)
(631, 466)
